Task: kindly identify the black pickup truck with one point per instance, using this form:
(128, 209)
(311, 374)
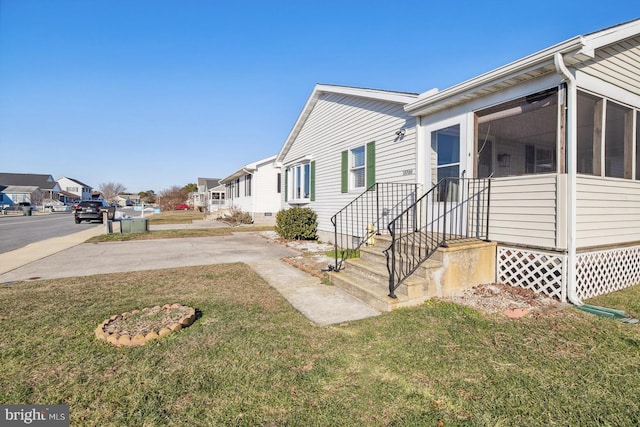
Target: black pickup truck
(91, 210)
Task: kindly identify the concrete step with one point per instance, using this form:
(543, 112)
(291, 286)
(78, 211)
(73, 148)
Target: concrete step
(367, 278)
(375, 296)
(448, 270)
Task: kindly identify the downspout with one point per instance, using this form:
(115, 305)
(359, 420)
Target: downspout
(571, 145)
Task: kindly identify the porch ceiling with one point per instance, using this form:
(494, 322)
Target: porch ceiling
(485, 89)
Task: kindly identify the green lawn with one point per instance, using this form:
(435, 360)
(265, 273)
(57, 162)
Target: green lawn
(175, 234)
(175, 217)
(251, 359)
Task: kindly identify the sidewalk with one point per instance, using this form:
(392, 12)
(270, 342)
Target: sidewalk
(70, 257)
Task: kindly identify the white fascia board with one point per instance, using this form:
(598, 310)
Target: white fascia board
(237, 174)
(256, 165)
(297, 126)
(301, 159)
(247, 169)
(536, 60)
(319, 89)
(611, 35)
(381, 95)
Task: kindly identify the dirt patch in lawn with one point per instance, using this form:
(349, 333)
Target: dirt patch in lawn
(513, 302)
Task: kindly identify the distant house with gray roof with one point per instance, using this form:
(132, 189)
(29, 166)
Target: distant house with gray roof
(78, 188)
(210, 195)
(27, 188)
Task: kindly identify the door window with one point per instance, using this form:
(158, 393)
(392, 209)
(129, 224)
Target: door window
(445, 156)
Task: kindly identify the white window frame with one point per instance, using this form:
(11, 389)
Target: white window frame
(354, 169)
(299, 172)
(248, 183)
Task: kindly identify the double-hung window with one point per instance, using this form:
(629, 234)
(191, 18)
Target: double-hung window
(247, 185)
(358, 168)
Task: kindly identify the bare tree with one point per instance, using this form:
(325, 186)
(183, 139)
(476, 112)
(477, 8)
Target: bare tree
(171, 197)
(111, 190)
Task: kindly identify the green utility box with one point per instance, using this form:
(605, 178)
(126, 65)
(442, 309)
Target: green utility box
(134, 225)
(26, 210)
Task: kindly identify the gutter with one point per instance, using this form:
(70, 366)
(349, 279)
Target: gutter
(237, 174)
(521, 66)
(572, 148)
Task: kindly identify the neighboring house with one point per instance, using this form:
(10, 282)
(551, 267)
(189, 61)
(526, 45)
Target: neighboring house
(76, 187)
(5, 201)
(255, 189)
(32, 188)
(69, 198)
(210, 195)
(23, 194)
(217, 197)
(345, 140)
(126, 199)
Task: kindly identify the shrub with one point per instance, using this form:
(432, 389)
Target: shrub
(297, 224)
(237, 217)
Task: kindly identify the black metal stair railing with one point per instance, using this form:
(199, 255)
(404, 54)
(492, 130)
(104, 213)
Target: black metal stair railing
(367, 215)
(455, 209)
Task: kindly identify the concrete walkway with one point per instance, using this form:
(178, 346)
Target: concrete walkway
(69, 257)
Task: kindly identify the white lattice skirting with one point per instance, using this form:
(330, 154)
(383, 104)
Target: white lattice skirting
(601, 272)
(542, 272)
(597, 272)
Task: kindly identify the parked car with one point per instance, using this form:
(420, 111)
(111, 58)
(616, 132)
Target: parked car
(182, 207)
(91, 210)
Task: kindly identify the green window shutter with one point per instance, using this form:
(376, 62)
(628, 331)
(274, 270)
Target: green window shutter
(286, 185)
(371, 164)
(312, 190)
(344, 173)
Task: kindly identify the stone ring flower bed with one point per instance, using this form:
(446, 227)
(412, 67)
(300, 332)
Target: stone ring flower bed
(137, 327)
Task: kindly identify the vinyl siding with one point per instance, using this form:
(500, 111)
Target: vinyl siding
(524, 211)
(265, 189)
(342, 122)
(618, 64)
(264, 192)
(608, 211)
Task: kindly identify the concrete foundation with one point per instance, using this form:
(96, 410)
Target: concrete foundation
(464, 265)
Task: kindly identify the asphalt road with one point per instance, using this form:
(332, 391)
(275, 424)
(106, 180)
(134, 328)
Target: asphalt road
(19, 231)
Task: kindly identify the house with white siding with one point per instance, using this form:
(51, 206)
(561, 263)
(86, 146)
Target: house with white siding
(557, 134)
(210, 196)
(73, 186)
(540, 157)
(255, 189)
(344, 141)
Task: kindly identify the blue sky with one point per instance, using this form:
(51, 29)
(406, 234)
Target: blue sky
(157, 93)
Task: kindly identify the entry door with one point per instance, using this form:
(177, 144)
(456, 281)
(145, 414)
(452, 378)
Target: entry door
(445, 153)
(445, 162)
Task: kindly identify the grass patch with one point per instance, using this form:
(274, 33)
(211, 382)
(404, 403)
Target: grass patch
(175, 217)
(175, 234)
(251, 359)
(343, 253)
